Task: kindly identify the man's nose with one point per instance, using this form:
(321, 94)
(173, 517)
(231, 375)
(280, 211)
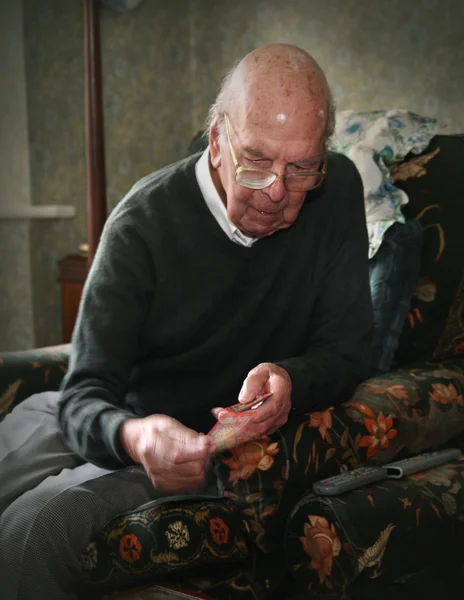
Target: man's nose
(276, 191)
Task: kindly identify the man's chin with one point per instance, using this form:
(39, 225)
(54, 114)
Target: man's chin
(260, 230)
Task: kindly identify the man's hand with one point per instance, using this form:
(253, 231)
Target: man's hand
(174, 456)
(273, 413)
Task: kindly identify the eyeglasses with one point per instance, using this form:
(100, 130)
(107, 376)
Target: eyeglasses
(258, 179)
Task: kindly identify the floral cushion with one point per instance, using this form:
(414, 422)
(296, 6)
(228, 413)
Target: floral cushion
(375, 141)
(452, 340)
(382, 532)
(401, 413)
(25, 373)
(435, 201)
(161, 538)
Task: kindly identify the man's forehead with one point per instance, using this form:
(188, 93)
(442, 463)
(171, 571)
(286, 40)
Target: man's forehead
(288, 151)
(259, 137)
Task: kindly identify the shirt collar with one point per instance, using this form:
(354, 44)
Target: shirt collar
(215, 204)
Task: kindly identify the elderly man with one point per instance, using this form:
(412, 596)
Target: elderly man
(240, 271)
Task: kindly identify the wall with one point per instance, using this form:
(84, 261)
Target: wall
(147, 119)
(382, 54)
(16, 318)
(162, 65)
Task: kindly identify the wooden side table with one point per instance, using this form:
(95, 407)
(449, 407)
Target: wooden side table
(72, 275)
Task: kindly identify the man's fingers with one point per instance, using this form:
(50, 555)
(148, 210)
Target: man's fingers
(179, 433)
(196, 450)
(268, 411)
(254, 383)
(217, 411)
(166, 483)
(192, 469)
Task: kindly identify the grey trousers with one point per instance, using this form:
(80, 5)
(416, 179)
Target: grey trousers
(52, 503)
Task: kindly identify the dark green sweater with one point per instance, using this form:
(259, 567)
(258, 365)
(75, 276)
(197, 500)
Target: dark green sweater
(174, 314)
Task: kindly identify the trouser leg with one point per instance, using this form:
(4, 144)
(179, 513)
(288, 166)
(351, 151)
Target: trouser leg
(31, 447)
(52, 503)
(45, 530)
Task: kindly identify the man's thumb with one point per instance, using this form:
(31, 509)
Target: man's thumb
(216, 412)
(250, 389)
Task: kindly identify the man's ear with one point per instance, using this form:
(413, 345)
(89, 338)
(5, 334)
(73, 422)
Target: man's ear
(213, 138)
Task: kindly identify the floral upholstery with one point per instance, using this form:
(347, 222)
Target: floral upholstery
(164, 537)
(375, 534)
(25, 373)
(435, 195)
(382, 532)
(401, 413)
(452, 340)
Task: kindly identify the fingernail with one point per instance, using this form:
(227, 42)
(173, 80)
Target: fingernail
(222, 414)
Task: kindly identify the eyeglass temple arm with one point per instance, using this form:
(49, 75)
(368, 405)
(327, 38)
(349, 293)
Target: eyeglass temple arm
(232, 151)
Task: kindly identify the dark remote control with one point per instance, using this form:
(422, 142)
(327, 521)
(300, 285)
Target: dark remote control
(421, 462)
(350, 480)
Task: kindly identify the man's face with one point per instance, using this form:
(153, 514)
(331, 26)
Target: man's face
(279, 147)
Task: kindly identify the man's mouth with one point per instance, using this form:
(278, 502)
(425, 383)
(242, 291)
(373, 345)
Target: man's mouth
(266, 213)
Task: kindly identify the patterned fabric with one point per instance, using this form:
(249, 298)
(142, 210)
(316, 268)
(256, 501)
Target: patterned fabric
(374, 141)
(393, 274)
(164, 537)
(25, 373)
(405, 411)
(436, 202)
(384, 532)
(452, 341)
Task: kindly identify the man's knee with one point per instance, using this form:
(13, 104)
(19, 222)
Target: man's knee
(33, 530)
(41, 541)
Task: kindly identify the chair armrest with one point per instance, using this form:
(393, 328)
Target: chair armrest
(401, 413)
(23, 374)
(408, 410)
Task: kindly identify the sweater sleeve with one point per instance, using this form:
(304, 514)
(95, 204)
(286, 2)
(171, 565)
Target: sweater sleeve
(114, 304)
(338, 351)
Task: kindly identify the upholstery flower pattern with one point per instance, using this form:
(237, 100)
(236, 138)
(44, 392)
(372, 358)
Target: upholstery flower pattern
(178, 535)
(247, 458)
(321, 542)
(8, 397)
(259, 477)
(219, 531)
(446, 394)
(321, 420)
(89, 558)
(381, 432)
(130, 548)
(397, 391)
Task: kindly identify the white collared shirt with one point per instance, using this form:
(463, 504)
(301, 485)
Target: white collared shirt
(215, 204)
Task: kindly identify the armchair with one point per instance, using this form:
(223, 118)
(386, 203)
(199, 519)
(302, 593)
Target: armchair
(269, 536)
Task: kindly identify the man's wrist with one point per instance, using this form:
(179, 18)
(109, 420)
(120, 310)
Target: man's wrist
(129, 435)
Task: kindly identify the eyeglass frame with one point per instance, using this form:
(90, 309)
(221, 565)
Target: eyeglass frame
(322, 172)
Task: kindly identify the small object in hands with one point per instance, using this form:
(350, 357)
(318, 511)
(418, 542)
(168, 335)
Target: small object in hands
(351, 480)
(232, 430)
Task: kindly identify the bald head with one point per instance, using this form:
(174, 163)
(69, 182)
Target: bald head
(279, 116)
(278, 83)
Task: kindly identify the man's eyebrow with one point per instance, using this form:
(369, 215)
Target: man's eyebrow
(308, 159)
(253, 151)
(257, 153)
